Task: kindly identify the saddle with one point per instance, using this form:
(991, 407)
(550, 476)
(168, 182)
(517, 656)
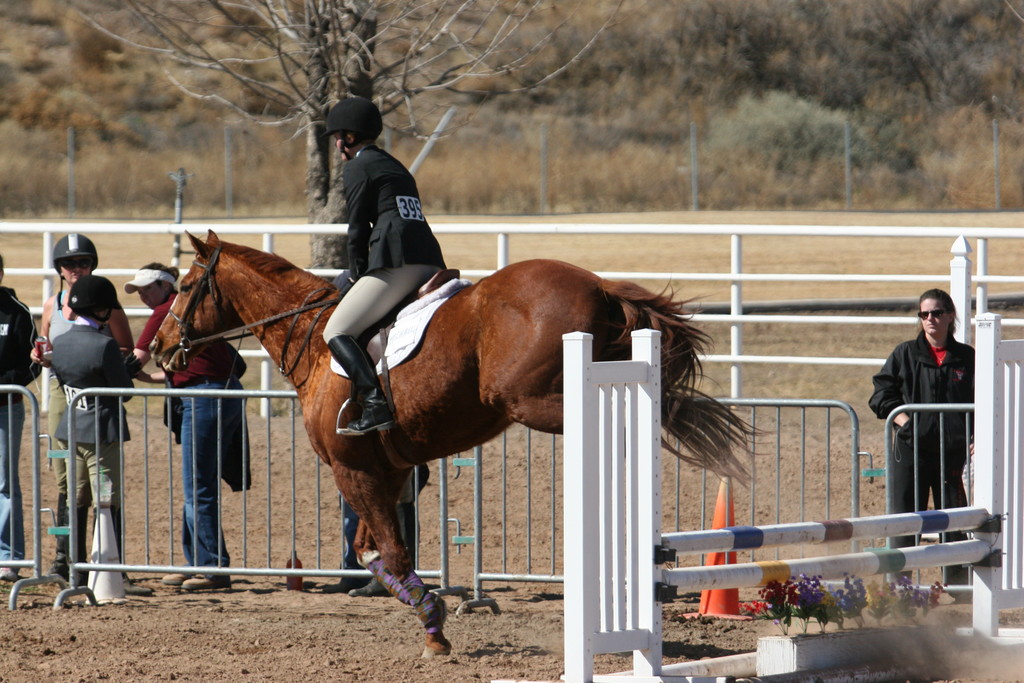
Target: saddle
(374, 339)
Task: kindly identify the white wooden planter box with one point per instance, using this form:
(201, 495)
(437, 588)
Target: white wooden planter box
(808, 652)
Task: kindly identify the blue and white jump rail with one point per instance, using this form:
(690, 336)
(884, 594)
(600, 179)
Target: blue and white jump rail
(614, 545)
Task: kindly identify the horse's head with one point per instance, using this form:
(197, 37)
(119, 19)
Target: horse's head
(200, 312)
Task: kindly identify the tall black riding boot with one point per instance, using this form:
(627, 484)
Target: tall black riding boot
(130, 587)
(84, 534)
(376, 412)
(60, 559)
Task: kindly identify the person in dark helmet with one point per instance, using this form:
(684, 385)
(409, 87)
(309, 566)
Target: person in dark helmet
(84, 357)
(391, 250)
(74, 256)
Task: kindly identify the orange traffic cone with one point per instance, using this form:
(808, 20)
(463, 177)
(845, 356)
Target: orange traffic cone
(721, 601)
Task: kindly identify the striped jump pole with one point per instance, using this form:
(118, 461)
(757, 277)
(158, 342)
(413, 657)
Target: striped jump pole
(867, 563)
(737, 538)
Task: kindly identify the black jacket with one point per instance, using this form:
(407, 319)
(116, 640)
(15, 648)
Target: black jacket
(17, 333)
(910, 375)
(386, 226)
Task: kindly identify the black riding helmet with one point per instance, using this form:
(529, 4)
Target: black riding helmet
(92, 293)
(70, 246)
(357, 115)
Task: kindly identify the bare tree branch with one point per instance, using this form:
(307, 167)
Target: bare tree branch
(284, 62)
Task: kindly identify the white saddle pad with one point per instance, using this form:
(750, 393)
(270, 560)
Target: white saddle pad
(404, 338)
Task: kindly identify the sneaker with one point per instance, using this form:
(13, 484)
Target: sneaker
(373, 589)
(346, 584)
(8, 574)
(207, 583)
(174, 579)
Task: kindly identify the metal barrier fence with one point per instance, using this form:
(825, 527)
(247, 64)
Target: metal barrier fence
(291, 508)
(808, 451)
(915, 410)
(497, 510)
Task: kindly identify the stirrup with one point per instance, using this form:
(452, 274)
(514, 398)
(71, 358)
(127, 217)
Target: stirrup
(348, 431)
(338, 429)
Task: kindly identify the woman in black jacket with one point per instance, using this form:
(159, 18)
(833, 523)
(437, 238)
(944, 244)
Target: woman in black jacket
(933, 368)
(391, 250)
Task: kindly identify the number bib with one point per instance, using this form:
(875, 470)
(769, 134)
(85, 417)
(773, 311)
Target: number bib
(409, 208)
(69, 395)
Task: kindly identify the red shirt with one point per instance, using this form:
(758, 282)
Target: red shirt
(214, 362)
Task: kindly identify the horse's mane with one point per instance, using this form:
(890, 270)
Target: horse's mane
(274, 268)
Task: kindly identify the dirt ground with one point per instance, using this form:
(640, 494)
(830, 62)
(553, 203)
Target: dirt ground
(259, 631)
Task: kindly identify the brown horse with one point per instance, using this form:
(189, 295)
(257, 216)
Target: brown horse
(492, 355)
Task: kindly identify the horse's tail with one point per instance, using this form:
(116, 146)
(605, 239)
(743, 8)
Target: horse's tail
(698, 429)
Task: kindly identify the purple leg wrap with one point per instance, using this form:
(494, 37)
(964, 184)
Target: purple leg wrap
(412, 592)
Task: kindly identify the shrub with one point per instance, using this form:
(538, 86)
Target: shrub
(787, 130)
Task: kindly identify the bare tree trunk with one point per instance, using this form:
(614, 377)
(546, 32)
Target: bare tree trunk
(325, 189)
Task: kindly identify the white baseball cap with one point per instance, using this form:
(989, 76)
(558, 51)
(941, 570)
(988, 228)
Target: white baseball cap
(145, 277)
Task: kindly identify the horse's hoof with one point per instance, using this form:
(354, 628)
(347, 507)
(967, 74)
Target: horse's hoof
(437, 646)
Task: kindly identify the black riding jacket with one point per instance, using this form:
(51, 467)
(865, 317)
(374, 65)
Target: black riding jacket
(911, 375)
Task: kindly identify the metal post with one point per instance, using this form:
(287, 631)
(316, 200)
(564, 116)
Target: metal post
(981, 294)
(995, 159)
(442, 124)
(502, 250)
(180, 179)
(693, 167)
(543, 168)
(736, 308)
(229, 199)
(848, 166)
(71, 172)
(266, 365)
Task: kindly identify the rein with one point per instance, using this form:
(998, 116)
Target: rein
(205, 284)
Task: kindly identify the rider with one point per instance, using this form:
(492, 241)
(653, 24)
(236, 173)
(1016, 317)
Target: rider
(391, 250)
(74, 257)
(84, 357)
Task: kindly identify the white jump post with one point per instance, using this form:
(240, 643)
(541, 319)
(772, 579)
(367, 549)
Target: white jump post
(999, 471)
(613, 540)
(603, 550)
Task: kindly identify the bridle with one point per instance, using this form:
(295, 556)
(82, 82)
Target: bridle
(205, 285)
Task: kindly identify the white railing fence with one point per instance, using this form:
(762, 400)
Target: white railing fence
(966, 278)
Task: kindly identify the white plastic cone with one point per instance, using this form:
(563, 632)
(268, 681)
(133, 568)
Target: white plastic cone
(106, 586)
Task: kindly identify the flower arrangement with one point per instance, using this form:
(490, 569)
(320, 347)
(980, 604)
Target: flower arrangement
(807, 600)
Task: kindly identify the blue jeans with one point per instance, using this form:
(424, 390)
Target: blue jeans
(12, 523)
(202, 537)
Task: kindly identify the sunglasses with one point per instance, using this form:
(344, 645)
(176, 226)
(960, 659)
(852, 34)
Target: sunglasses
(937, 313)
(69, 263)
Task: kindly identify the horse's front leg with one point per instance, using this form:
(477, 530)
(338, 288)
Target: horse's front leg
(384, 554)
